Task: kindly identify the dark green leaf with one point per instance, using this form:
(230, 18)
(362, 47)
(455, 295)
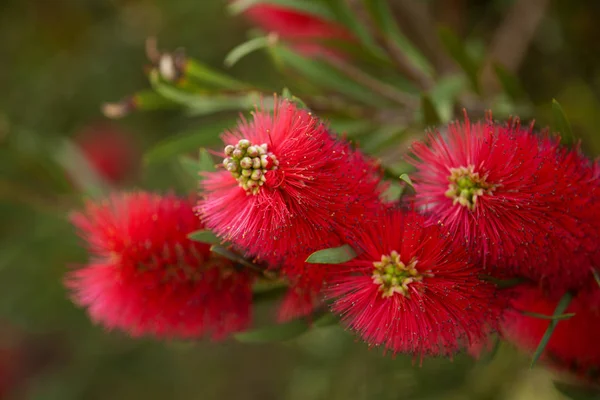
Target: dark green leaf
(430, 114)
(550, 317)
(268, 291)
(510, 83)
(186, 142)
(596, 276)
(455, 47)
(326, 320)
(204, 236)
(308, 7)
(334, 255)
(575, 392)
(274, 333)
(488, 356)
(242, 50)
(561, 124)
(560, 309)
(503, 283)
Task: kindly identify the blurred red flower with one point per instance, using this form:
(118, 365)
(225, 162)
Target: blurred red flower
(146, 277)
(411, 290)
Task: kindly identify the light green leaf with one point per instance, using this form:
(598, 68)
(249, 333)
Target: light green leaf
(274, 333)
(406, 178)
(175, 145)
(243, 49)
(334, 255)
(455, 47)
(204, 236)
(202, 73)
(561, 124)
(560, 309)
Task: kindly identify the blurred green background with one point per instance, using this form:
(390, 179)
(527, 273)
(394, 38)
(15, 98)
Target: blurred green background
(61, 59)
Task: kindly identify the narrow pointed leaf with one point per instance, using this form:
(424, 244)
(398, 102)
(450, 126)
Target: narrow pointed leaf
(205, 74)
(560, 309)
(334, 255)
(204, 236)
(274, 333)
(406, 178)
(550, 317)
(455, 47)
(430, 114)
(561, 124)
(242, 50)
(596, 276)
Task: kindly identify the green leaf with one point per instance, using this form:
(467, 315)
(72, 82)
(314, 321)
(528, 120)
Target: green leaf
(204, 236)
(384, 19)
(314, 8)
(149, 100)
(321, 73)
(205, 74)
(488, 356)
(243, 49)
(205, 161)
(287, 94)
(334, 255)
(173, 146)
(407, 180)
(596, 276)
(560, 309)
(576, 392)
(327, 319)
(510, 83)
(444, 93)
(561, 124)
(550, 317)
(274, 333)
(430, 114)
(454, 46)
(237, 258)
(268, 291)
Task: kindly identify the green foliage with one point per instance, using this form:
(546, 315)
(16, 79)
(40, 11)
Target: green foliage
(334, 255)
(204, 236)
(561, 124)
(560, 309)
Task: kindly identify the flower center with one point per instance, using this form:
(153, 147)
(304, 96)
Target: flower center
(393, 276)
(249, 163)
(466, 186)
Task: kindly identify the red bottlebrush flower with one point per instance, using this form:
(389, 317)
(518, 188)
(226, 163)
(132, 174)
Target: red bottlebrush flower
(303, 31)
(110, 151)
(146, 277)
(289, 188)
(412, 291)
(520, 201)
(573, 346)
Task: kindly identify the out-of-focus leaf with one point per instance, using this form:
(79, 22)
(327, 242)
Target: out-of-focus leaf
(250, 46)
(385, 20)
(148, 100)
(550, 317)
(575, 392)
(325, 75)
(430, 114)
(268, 291)
(287, 94)
(455, 47)
(185, 142)
(326, 320)
(274, 333)
(560, 309)
(444, 93)
(596, 276)
(80, 170)
(347, 17)
(314, 8)
(204, 236)
(561, 124)
(204, 103)
(382, 138)
(334, 255)
(205, 161)
(203, 73)
(510, 83)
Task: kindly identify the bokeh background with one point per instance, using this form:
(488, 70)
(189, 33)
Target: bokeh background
(62, 59)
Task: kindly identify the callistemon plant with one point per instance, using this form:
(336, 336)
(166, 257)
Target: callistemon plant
(483, 229)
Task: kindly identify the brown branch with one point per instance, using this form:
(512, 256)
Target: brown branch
(512, 39)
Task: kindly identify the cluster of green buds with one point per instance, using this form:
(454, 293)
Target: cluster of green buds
(249, 163)
(466, 186)
(393, 276)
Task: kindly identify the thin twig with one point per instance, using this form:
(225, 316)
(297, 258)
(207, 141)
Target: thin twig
(375, 85)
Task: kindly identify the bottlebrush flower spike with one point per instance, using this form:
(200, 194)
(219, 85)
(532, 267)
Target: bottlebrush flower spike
(289, 187)
(518, 200)
(110, 151)
(302, 30)
(573, 346)
(412, 291)
(147, 278)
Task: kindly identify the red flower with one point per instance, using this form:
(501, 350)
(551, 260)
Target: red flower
(520, 201)
(146, 277)
(289, 188)
(411, 290)
(303, 30)
(573, 345)
(110, 151)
